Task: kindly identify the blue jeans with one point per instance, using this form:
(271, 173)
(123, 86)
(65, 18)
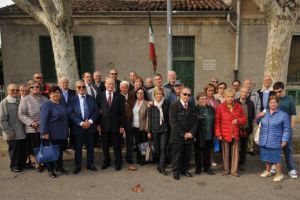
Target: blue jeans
(288, 153)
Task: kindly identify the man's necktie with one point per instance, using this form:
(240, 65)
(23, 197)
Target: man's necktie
(85, 109)
(92, 90)
(109, 99)
(185, 106)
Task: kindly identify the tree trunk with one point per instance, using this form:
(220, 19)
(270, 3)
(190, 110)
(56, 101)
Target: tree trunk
(64, 54)
(278, 48)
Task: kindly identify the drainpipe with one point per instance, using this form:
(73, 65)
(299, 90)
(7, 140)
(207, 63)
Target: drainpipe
(237, 38)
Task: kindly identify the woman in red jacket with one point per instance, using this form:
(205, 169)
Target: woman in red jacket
(229, 116)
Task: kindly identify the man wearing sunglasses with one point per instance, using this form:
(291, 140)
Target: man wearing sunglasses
(287, 104)
(182, 118)
(113, 73)
(83, 112)
(44, 86)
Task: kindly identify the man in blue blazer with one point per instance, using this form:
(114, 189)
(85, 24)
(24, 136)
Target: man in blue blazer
(111, 123)
(83, 112)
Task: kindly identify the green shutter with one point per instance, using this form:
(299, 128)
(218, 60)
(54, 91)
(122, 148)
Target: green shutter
(47, 59)
(184, 59)
(86, 54)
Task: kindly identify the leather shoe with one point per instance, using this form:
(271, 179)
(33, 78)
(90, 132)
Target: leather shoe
(187, 174)
(176, 175)
(76, 171)
(62, 170)
(105, 166)
(198, 171)
(210, 172)
(51, 174)
(163, 172)
(39, 168)
(92, 168)
(118, 168)
(17, 170)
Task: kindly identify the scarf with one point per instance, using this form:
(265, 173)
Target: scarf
(11, 99)
(159, 106)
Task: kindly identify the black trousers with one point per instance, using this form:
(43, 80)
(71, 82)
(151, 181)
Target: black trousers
(32, 141)
(160, 146)
(129, 140)
(116, 139)
(81, 137)
(140, 137)
(17, 153)
(243, 149)
(181, 155)
(203, 154)
(59, 163)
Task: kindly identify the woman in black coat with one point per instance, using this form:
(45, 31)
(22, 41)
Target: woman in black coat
(158, 118)
(204, 135)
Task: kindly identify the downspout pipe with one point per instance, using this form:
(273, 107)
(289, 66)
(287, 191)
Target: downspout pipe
(236, 27)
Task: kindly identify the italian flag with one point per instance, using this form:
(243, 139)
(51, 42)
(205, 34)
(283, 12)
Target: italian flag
(152, 54)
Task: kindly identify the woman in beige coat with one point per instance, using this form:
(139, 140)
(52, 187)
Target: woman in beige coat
(140, 122)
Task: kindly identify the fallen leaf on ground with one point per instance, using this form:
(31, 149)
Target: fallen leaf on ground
(137, 188)
(132, 168)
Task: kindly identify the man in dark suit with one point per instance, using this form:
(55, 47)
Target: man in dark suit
(100, 85)
(83, 112)
(66, 95)
(129, 100)
(265, 92)
(91, 89)
(182, 118)
(111, 122)
(113, 73)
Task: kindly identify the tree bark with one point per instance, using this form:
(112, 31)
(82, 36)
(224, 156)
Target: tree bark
(281, 17)
(56, 16)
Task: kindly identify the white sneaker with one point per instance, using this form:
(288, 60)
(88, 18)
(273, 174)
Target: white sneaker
(265, 174)
(278, 177)
(293, 174)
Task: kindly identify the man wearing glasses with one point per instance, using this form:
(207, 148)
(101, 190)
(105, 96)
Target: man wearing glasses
(113, 73)
(44, 86)
(182, 118)
(83, 113)
(287, 104)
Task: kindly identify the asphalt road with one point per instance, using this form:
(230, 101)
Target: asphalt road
(109, 184)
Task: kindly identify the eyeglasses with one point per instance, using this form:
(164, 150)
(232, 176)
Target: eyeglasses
(222, 88)
(81, 87)
(186, 94)
(215, 81)
(35, 86)
(210, 90)
(236, 85)
(277, 92)
(38, 77)
(14, 90)
(114, 73)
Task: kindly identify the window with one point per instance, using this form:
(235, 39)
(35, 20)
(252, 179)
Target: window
(184, 59)
(294, 62)
(84, 54)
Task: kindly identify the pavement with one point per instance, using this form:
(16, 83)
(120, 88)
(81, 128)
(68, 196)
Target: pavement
(109, 184)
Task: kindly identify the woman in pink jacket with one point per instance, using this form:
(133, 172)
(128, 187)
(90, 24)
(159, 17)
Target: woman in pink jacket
(229, 116)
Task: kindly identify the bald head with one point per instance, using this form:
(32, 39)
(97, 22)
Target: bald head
(13, 90)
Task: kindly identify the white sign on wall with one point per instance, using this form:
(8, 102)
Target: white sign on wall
(209, 64)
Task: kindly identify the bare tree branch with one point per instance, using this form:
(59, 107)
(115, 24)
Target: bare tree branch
(263, 5)
(31, 9)
(49, 9)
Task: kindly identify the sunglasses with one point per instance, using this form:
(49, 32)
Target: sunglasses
(34, 86)
(277, 92)
(81, 87)
(114, 73)
(186, 94)
(215, 81)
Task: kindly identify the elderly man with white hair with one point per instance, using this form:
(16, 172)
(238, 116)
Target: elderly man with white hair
(172, 77)
(265, 92)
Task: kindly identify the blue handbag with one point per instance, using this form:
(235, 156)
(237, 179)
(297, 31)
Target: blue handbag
(44, 154)
(216, 145)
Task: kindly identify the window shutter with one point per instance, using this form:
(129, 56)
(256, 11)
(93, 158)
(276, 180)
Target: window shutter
(86, 54)
(47, 59)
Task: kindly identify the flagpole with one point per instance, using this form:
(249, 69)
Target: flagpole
(169, 36)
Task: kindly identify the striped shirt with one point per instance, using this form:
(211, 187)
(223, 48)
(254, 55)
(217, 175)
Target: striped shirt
(29, 111)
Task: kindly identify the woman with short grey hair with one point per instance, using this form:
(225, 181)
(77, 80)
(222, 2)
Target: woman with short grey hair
(12, 129)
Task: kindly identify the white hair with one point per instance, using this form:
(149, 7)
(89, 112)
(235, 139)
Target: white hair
(124, 83)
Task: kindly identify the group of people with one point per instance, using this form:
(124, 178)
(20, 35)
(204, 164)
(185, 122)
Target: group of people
(138, 112)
